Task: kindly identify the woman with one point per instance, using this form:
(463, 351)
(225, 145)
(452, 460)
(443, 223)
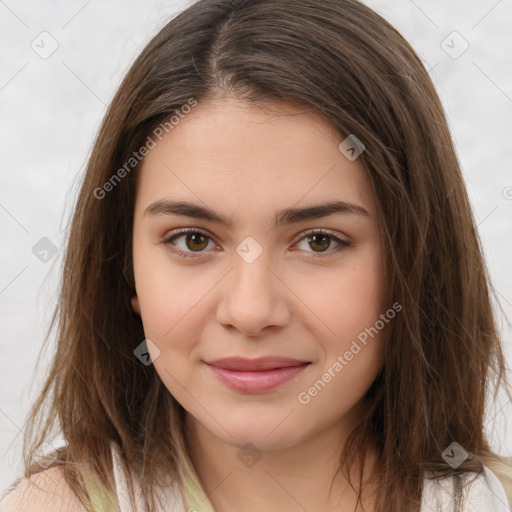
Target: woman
(273, 282)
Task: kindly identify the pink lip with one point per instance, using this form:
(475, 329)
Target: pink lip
(256, 375)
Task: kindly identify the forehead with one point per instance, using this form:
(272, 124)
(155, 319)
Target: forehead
(237, 154)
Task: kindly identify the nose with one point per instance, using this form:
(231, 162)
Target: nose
(255, 299)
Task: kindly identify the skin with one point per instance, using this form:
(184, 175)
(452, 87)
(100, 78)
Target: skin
(245, 163)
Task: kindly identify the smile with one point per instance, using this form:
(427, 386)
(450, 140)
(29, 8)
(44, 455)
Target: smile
(256, 376)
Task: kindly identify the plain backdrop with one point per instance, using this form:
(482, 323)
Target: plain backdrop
(52, 104)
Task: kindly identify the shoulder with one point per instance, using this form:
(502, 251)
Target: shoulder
(46, 491)
(482, 493)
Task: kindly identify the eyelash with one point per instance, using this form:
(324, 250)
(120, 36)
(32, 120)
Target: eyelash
(168, 242)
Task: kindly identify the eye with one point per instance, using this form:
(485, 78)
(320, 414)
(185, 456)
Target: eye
(320, 241)
(196, 241)
(192, 240)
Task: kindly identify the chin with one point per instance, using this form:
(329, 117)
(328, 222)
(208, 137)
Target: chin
(268, 435)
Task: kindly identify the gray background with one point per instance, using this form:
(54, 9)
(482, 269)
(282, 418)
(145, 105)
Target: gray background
(52, 107)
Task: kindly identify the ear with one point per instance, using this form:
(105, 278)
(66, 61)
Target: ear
(135, 304)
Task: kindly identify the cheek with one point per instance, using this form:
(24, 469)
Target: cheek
(173, 315)
(331, 395)
(350, 334)
(170, 295)
(346, 299)
(353, 353)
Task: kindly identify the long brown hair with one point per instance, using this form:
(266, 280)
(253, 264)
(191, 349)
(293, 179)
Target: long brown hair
(342, 60)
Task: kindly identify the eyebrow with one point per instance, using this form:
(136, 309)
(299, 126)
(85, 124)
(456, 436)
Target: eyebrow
(286, 216)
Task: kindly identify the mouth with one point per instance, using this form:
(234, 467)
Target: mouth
(256, 375)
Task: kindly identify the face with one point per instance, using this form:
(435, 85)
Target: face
(259, 320)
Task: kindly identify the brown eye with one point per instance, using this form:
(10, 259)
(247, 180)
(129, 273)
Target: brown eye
(188, 243)
(196, 241)
(320, 242)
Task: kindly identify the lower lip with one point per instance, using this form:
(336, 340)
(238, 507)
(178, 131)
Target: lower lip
(256, 382)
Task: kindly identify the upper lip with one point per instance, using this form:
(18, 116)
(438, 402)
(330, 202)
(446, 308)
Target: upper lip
(262, 363)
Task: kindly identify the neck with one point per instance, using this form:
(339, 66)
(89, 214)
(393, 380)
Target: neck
(306, 476)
